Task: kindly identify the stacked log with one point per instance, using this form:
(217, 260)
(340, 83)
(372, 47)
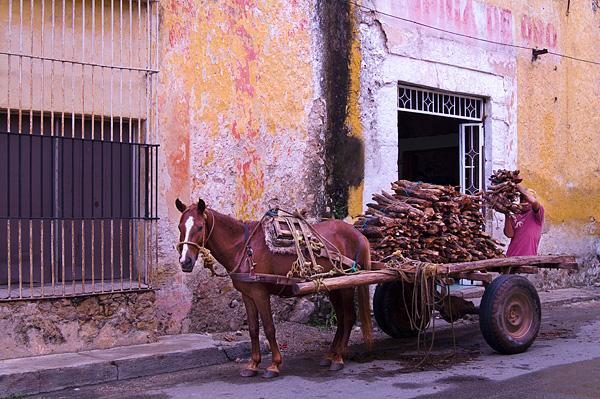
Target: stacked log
(502, 195)
(429, 223)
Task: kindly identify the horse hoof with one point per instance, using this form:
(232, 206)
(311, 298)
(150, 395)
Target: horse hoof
(336, 366)
(249, 373)
(325, 362)
(270, 374)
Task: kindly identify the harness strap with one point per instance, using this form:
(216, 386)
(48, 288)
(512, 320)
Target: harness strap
(247, 235)
(249, 249)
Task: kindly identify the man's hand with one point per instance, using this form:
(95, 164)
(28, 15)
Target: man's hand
(528, 197)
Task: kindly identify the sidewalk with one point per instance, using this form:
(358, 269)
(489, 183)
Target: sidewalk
(33, 375)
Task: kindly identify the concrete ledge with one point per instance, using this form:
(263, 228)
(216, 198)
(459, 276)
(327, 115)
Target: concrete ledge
(33, 375)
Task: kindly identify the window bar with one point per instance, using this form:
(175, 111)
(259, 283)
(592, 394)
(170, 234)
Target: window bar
(139, 252)
(93, 134)
(30, 258)
(138, 149)
(73, 211)
(42, 224)
(130, 71)
(30, 154)
(130, 140)
(20, 122)
(83, 219)
(155, 214)
(62, 130)
(112, 139)
(54, 222)
(62, 211)
(52, 254)
(20, 261)
(8, 129)
(9, 259)
(148, 250)
(102, 145)
(121, 259)
(73, 142)
(139, 260)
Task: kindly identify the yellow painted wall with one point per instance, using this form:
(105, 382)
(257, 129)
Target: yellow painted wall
(558, 110)
(236, 88)
(233, 105)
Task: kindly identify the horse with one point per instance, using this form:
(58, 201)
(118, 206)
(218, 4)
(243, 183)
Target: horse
(231, 244)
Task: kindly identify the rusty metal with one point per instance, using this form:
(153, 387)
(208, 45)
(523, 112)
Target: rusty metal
(60, 79)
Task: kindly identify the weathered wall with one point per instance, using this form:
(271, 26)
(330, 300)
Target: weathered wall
(399, 50)
(49, 326)
(257, 107)
(540, 114)
(293, 104)
(558, 128)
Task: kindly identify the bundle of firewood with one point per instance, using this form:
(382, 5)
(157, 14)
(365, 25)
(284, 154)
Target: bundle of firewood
(427, 222)
(502, 195)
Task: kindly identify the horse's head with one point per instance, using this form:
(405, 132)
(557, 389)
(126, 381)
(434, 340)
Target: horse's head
(192, 233)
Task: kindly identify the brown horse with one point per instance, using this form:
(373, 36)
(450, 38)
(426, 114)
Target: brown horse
(226, 239)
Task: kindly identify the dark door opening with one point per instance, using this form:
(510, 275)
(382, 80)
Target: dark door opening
(428, 148)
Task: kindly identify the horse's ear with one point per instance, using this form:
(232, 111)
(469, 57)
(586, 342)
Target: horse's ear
(201, 206)
(180, 205)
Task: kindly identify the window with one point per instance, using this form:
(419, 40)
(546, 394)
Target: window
(78, 215)
(440, 138)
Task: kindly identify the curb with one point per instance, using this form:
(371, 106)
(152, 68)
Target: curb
(39, 374)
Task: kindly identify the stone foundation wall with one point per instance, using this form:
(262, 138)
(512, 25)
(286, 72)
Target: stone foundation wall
(42, 327)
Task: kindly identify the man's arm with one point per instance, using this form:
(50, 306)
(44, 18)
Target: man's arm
(508, 229)
(535, 205)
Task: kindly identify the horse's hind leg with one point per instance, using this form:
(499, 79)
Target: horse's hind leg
(252, 312)
(343, 304)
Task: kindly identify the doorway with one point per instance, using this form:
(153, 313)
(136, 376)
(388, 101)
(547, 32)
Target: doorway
(440, 138)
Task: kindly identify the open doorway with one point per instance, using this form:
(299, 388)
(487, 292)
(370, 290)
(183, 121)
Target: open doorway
(440, 138)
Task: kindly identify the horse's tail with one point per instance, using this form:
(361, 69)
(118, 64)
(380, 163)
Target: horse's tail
(364, 300)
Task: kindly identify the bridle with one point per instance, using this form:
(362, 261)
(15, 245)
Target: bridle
(204, 238)
(208, 260)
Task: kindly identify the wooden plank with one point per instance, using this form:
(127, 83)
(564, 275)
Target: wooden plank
(349, 280)
(520, 264)
(538, 260)
(474, 276)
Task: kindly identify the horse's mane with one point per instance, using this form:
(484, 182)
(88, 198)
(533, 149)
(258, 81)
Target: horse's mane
(224, 216)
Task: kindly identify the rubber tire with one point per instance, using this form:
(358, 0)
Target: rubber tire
(389, 310)
(514, 296)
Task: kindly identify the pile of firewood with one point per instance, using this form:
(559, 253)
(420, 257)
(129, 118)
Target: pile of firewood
(502, 195)
(429, 223)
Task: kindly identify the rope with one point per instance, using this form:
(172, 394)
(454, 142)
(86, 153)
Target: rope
(410, 190)
(423, 302)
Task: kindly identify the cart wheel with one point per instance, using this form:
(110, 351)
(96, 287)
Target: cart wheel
(510, 314)
(390, 310)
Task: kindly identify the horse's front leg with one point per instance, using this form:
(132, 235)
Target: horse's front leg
(263, 303)
(252, 312)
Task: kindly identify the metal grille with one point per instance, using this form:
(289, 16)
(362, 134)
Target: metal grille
(77, 124)
(430, 102)
(471, 153)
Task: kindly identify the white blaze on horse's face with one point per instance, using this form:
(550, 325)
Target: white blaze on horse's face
(185, 251)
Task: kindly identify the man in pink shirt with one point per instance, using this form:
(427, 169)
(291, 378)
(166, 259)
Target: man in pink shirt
(524, 229)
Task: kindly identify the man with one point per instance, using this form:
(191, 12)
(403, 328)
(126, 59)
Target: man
(524, 229)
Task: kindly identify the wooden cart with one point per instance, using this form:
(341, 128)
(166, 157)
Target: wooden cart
(509, 312)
